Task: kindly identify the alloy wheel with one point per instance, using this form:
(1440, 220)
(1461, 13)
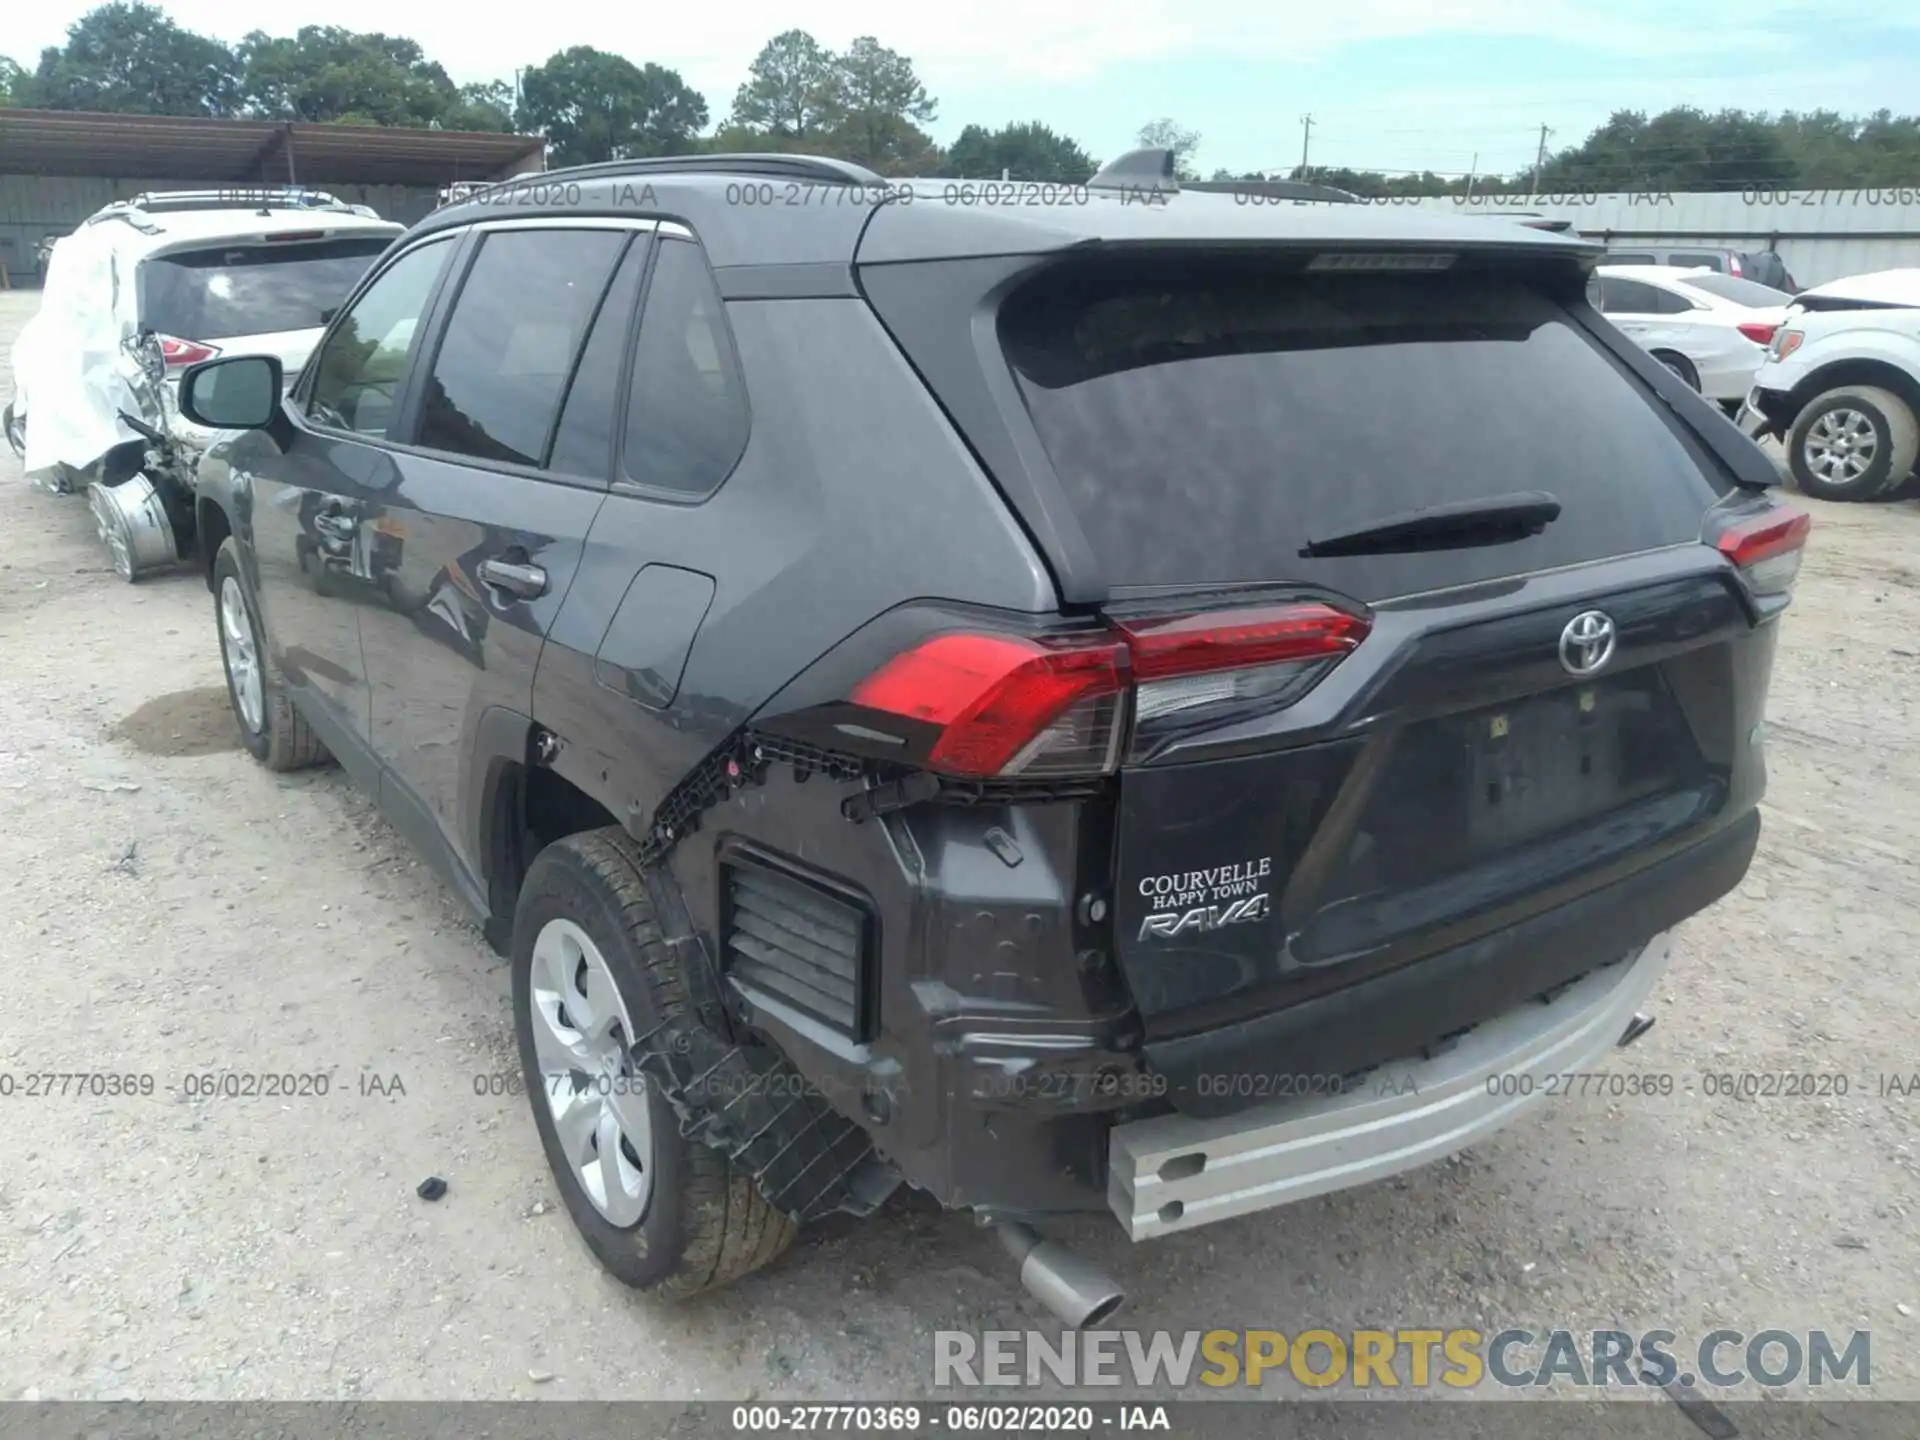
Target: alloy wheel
(1840, 446)
(243, 654)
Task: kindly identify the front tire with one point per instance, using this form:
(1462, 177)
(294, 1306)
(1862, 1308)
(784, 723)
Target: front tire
(592, 974)
(274, 733)
(1853, 443)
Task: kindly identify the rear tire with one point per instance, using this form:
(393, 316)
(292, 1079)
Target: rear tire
(1679, 365)
(682, 1219)
(1853, 443)
(275, 733)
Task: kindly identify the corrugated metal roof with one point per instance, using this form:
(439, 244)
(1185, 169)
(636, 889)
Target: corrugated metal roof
(167, 147)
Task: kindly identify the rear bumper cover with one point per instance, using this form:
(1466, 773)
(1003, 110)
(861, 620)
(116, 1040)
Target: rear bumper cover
(1174, 1172)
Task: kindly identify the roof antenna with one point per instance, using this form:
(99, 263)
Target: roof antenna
(1150, 170)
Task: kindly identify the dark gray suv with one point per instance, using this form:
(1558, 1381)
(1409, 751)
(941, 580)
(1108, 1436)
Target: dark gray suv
(1064, 697)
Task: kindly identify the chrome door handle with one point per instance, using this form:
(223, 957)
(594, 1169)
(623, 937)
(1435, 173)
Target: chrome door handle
(525, 582)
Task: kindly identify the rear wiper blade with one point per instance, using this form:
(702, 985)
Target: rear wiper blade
(1492, 521)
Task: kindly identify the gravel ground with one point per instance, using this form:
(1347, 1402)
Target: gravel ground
(174, 910)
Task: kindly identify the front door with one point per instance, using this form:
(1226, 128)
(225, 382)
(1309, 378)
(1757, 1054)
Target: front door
(478, 539)
(307, 499)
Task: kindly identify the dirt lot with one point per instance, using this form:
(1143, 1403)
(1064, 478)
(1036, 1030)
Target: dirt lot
(175, 910)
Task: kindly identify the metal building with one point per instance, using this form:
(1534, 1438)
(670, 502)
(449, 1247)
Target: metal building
(57, 167)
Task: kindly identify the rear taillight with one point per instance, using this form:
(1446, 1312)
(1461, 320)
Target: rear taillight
(1758, 333)
(1767, 548)
(1008, 705)
(181, 353)
(1272, 653)
(1017, 706)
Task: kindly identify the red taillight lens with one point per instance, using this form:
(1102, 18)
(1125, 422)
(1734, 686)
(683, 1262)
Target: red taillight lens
(181, 353)
(1010, 705)
(1767, 549)
(1758, 333)
(1192, 644)
(1006, 704)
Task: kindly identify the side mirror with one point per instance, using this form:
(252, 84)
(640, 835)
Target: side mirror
(241, 393)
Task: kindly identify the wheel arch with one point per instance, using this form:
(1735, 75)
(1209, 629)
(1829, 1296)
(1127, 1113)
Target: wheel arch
(1840, 374)
(519, 802)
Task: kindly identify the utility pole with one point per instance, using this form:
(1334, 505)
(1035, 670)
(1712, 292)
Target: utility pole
(1472, 171)
(1539, 159)
(1306, 139)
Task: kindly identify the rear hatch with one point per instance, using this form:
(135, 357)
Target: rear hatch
(1427, 648)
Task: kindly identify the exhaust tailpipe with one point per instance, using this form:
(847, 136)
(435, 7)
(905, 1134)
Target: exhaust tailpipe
(1075, 1289)
(1637, 1027)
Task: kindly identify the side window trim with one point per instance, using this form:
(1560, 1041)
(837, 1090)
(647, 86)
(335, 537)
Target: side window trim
(586, 339)
(309, 375)
(622, 483)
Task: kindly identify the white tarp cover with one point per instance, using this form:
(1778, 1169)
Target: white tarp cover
(72, 374)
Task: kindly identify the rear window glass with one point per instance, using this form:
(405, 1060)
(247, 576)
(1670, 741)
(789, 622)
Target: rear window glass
(1208, 422)
(252, 289)
(1741, 292)
(1686, 259)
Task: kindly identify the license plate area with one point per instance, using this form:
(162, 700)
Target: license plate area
(1462, 789)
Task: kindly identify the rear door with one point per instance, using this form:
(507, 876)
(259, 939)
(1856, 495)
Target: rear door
(472, 549)
(1532, 717)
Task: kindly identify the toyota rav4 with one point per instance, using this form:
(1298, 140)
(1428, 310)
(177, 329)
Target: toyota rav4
(1109, 700)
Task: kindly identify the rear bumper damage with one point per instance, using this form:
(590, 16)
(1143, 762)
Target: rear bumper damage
(1174, 1172)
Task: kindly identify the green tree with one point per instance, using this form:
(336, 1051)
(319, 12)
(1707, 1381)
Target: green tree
(792, 90)
(1027, 151)
(131, 59)
(877, 99)
(326, 72)
(484, 106)
(11, 75)
(595, 106)
(1163, 134)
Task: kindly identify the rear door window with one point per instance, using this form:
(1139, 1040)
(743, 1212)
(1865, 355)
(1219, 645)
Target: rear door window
(1207, 421)
(234, 290)
(1688, 259)
(509, 347)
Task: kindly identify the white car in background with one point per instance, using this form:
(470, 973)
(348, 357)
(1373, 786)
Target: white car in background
(1710, 329)
(142, 290)
(1841, 386)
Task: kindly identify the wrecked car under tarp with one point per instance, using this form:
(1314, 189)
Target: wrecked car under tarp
(141, 291)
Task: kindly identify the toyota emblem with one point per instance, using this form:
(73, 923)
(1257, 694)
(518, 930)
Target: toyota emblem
(1586, 645)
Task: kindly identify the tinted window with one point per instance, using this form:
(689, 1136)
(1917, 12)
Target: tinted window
(252, 289)
(1630, 257)
(583, 445)
(1741, 292)
(1207, 422)
(1686, 259)
(687, 416)
(509, 346)
(1628, 297)
(357, 374)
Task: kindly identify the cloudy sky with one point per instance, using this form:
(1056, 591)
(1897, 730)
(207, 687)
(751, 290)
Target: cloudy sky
(1392, 84)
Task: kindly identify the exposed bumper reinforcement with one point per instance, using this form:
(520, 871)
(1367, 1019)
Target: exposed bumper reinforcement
(1174, 1172)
